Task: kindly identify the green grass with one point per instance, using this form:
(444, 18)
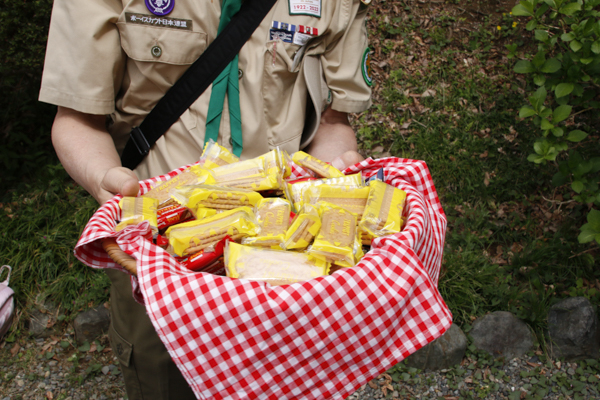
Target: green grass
(41, 224)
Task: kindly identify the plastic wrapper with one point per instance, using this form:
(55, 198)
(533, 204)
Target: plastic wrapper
(349, 198)
(215, 155)
(384, 209)
(272, 266)
(337, 240)
(206, 261)
(217, 197)
(194, 236)
(194, 175)
(320, 168)
(303, 229)
(258, 174)
(171, 215)
(273, 217)
(137, 209)
(296, 190)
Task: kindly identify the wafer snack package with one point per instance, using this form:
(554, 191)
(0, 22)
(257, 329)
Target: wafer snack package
(383, 212)
(277, 163)
(272, 266)
(215, 155)
(137, 209)
(273, 216)
(296, 190)
(194, 175)
(217, 197)
(171, 215)
(337, 239)
(249, 174)
(350, 198)
(320, 168)
(191, 237)
(305, 226)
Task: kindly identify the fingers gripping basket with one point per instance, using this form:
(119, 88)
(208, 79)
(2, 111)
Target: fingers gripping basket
(319, 339)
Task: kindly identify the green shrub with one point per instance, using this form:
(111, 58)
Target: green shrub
(566, 72)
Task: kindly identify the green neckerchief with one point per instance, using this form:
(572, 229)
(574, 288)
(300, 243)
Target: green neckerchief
(227, 81)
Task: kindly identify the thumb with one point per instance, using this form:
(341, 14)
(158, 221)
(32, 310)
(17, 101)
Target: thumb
(346, 160)
(118, 180)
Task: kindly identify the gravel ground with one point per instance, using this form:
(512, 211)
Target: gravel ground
(54, 368)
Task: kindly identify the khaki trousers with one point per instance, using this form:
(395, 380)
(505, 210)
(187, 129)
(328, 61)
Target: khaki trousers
(147, 367)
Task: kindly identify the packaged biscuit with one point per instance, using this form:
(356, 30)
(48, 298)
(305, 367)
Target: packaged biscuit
(137, 209)
(215, 155)
(383, 212)
(272, 266)
(273, 216)
(194, 175)
(217, 197)
(337, 240)
(305, 226)
(173, 214)
(277, 163)
(249, 174)
(191, 237)
(320, 168)
(349, 198)
(296, 190)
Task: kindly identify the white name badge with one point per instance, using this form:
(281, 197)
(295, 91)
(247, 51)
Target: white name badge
(305, 7)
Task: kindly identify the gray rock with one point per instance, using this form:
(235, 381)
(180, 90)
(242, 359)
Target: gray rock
(444, 352)
(91, 324)
(573, 329)
(38, 323)
(502, 335)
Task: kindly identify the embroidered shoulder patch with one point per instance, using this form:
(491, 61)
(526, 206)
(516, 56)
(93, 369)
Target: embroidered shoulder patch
(366, 67)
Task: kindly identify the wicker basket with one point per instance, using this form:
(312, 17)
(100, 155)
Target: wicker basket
(119, 256)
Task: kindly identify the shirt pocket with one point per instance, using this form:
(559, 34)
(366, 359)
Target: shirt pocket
(162, 45)
(279, 91)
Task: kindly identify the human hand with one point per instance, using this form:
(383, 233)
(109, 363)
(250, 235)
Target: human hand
(117, 180)
(346, 160)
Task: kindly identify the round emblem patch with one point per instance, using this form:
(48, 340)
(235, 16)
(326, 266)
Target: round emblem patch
(160, 7)
(366, 67)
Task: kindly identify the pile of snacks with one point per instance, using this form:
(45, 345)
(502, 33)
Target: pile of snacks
(248, 219)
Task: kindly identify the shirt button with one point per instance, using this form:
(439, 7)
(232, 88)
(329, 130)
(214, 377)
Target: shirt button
(156, 51)
(240, 73)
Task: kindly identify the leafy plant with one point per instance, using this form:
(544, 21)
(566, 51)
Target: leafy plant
(566, 70)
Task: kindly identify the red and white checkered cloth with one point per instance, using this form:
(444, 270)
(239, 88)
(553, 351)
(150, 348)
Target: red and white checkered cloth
(319, 339)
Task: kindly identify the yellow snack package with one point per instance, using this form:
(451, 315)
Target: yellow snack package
(202, 212)
(249, 174)
(305, 226)
(383, 211)
(273, 215)
(191, 237)
(137, 209)
(194, 175)
(337, 239)
(349, 198)
(320, 168)
(272, 266)
(296, 190)
(217, 197)
(215, 155)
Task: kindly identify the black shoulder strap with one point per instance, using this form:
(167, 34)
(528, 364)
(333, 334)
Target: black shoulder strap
(195, 80)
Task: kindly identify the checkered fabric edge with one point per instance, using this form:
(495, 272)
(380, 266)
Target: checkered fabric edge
(319, 339)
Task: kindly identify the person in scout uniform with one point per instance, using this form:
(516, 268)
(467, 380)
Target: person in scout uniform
(109, 62)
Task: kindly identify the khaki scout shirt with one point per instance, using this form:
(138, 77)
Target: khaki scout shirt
(115, 57)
